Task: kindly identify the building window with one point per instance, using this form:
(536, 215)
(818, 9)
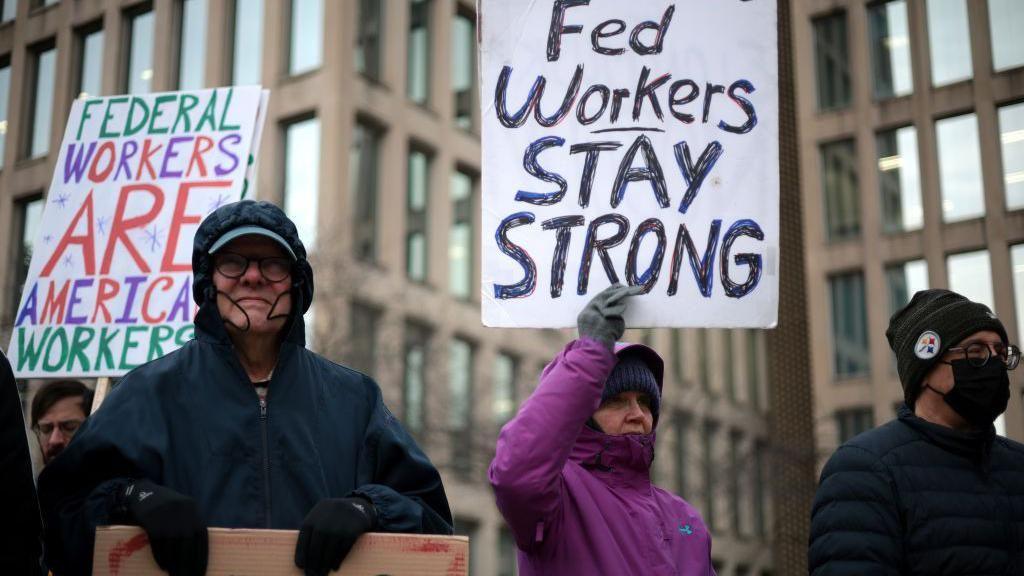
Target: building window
(369, 38)
(960, 168)
(703, 361)
(363, 322)
(363, 160)
(506, 553)
(890, 49)
(904, 280)
(736, 479)
(970, 274)
(754, 366)
(9, 10)
(43, 60)
(760, 489)
(832, 61)
(1011, 137)
(306, 38)
(728, 367)
(1005, 18)
(681, 428)
(839, 183)
(460, 237)
(302, 177)
(677, 355)
(851, 422)
(849, 326)
(414, 382)
(1017, 264)
(247, 48)
(416, 217)
(506, 367)
(418, 71)
(708, 443)
(27, 214)
(899, 180)
(5, 95)
(463, 68)
(192, 45)
(90, 63)
(460, 404)
(139, 77)
(949, 41)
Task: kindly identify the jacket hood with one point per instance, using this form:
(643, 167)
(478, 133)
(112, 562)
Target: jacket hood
(249, 213)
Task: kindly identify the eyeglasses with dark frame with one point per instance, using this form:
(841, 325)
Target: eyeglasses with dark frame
(977, 354)
(67, 428)
(232, 265)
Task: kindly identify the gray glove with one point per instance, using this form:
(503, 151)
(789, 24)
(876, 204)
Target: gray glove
(601, 319)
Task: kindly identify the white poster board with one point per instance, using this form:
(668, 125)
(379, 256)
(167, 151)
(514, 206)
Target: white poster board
(109, 286)
(630, 141)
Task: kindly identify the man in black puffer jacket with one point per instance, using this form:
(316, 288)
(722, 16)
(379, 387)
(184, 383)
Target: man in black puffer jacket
(935, 492)
(242, 427)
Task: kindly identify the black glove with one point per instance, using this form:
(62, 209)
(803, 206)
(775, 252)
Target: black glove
(601, 319)
(177, 533)
(329, 531)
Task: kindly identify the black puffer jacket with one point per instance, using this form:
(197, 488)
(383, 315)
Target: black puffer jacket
(916, 498)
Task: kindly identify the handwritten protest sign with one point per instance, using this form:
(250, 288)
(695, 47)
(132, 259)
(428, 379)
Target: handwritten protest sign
(110, 282)
(632, 142)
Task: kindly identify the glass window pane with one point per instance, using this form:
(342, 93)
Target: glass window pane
(42, 102)
(414, 380)
(905, 280)
(416, 215)
(504, 399)
(5, 94)
(302, 177)
(368, 39)
(10, 10)
(140, 55)
(191, 61)
(970, 274)
(460, 239)
(363, 159)
(463, 68)
(306, 36)
(832, 62)
(418, 73)
(1011, 138)
(960, 168)
(1005, 20)
(949, 41)
(1017, 263)
(248, 43)
(90, 76)
(839, 181)
(27, 216)
(506, 553)
(899, 180)
(890, 49)
(854, 421)
(460, 384)
(849, 326)
(362, 332)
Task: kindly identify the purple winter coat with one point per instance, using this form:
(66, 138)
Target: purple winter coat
(580, 501)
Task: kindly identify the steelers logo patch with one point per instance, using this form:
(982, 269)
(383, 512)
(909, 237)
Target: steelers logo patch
(927, 346)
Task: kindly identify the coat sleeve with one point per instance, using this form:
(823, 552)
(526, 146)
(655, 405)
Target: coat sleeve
(399, 479)
(533, 447)
(81, 488)
(855, 519)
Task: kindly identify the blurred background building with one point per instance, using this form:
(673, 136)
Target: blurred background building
(911, 162)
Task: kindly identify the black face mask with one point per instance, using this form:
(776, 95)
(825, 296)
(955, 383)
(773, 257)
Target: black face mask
(979, 394)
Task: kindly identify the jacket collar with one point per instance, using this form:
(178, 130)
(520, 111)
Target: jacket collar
(622, 459)
(976, 445)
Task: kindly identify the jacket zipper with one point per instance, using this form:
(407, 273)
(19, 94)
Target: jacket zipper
(266, 461)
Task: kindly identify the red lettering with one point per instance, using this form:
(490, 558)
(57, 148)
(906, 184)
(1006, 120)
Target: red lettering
(179, 219)
(55, 304)
(146, 316)
(98, 177)
(144, 160)
(69, 238)
(108, 288)
(120, 226)
(197, 155)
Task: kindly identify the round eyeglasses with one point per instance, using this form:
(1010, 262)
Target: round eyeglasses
(978, 354)
(273, 269)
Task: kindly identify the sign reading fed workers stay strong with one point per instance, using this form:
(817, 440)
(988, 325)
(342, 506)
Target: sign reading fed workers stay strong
(632, 142)
(110, 282)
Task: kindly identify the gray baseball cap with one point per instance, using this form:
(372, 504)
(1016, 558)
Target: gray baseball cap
(251, 230)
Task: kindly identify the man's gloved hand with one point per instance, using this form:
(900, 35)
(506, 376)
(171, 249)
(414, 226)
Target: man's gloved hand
(601, 319)
(177, 533)
(329, 531)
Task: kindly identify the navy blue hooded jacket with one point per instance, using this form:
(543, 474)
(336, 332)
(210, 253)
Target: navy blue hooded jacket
(192, 421)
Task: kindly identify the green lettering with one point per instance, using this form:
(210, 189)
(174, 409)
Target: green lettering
(58, 335)
(185, 333)
(157, 112)
(188, 102)
(224, 113)
(129, 129)
(30, 354)
(209, 114)
(108, 116)
(85, 115)
(129, 343)
(103, 353)
(79, 343)
(159, 335)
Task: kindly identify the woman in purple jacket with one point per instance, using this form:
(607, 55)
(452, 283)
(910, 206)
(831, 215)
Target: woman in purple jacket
(572, 469)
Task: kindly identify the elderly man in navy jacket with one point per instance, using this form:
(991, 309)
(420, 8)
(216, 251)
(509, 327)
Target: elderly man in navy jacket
(242, 427)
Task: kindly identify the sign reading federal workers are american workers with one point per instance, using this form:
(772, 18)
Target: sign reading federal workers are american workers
(109, 286)
(631, 142)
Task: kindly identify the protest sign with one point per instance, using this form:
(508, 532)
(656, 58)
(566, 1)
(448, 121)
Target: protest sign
(110, 282)
(631, 142)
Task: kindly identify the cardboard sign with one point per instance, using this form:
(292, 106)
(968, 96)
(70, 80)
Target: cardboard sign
(124, 551)
(110, 282)
(631, 142)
